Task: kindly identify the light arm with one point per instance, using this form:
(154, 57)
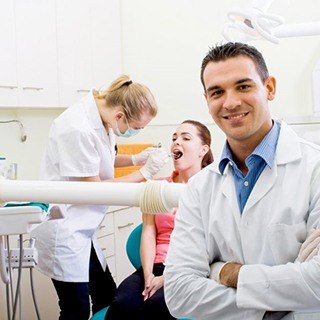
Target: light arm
(255, 23)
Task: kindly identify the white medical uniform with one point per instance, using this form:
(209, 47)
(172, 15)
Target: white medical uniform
(266, 238)
(79, 146)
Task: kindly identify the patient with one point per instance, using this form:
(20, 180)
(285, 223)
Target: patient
(140, 296)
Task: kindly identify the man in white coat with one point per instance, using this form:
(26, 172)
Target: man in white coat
(252, 208)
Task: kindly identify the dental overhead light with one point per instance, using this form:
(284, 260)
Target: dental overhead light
(255, 23)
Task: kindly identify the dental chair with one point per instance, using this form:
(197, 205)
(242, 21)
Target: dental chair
(133, 253)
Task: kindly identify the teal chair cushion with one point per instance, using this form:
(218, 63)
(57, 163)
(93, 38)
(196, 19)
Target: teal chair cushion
(100, 314)
(133, 246)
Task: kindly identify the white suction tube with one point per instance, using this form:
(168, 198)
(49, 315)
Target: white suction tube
(152, 196)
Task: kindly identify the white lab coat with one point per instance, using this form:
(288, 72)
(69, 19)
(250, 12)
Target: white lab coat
(79, 146)
(283, 206)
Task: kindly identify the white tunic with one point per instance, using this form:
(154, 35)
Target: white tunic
(282, 207)
(79, 146)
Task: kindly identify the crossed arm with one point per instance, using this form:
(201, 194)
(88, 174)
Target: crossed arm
(228, 273)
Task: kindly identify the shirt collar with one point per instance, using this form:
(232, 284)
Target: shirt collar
(92, 111)
(226, 157)
(266, 149)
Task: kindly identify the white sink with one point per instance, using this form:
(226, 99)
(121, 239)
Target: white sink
(18, 220)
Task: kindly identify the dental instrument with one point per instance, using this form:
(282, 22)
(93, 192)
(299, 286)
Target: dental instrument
(17, 221)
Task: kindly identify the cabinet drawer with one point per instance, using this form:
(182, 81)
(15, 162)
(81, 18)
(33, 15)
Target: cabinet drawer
(127, 218)
(107, 245)
(125, 221)
(106, 227)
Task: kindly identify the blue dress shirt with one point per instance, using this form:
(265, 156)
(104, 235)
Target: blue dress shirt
(262, 156)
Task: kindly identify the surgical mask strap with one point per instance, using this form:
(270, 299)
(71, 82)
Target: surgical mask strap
(128, 133)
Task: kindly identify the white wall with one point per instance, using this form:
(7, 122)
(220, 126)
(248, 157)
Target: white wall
(27, 154)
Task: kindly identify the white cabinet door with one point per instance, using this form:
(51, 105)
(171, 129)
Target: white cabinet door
(89, 46)
(36, 53)
(74, 49)
(125, 221)
(8, 61)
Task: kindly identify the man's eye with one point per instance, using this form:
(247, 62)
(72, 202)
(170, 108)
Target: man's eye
(216, 93)
(244, 87)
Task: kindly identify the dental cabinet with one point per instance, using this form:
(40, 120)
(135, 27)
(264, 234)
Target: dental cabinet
(52, 54)
(112, 236)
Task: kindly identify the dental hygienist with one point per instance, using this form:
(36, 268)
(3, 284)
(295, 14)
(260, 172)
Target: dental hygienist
(82, 147)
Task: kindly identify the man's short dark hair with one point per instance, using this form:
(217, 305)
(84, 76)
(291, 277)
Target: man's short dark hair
(232, 50)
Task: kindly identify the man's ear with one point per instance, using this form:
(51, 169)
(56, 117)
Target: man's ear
(270, 85)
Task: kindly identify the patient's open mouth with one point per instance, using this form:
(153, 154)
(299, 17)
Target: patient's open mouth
(177, 154)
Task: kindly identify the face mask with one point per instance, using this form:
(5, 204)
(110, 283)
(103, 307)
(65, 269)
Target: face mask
(128, 133)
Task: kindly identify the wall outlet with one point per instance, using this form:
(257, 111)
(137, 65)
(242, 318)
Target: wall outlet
(30, 258)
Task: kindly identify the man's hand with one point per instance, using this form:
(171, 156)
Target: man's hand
(225, 273)
(229, 273)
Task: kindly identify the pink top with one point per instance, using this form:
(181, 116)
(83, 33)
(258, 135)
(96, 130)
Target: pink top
(164, 226)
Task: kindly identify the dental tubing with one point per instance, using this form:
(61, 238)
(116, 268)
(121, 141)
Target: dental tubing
(152, 196)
